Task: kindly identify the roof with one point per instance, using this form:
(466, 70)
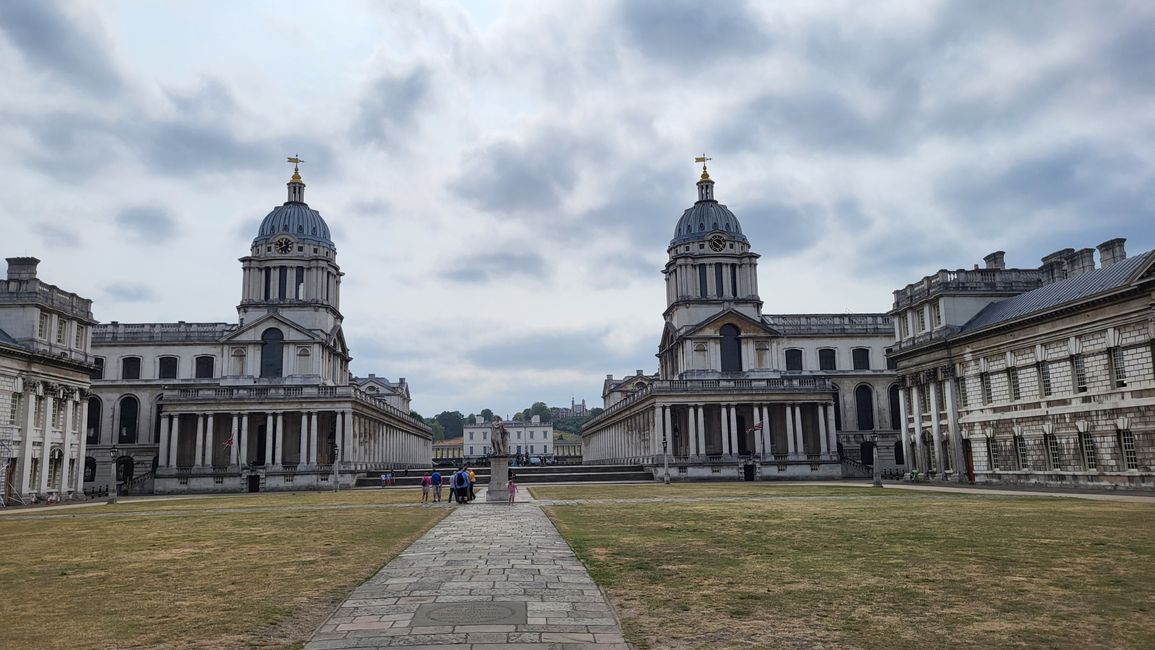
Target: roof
(1059, 293)
(5, 339)
(704, 218)
(297, 220)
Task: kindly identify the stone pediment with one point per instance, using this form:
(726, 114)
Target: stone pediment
(251, 332)
(748, 326)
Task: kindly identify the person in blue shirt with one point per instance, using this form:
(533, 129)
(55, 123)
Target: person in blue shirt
(436, 480)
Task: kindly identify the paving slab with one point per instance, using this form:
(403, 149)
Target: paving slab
(487, 576)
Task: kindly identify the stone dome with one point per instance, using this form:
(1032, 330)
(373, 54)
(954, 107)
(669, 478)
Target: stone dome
(297, 220)
(704, 218)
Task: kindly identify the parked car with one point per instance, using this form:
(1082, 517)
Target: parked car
(535, 460)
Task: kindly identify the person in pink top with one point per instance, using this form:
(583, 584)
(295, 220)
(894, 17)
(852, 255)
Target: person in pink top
(512, 491)
(426, 482)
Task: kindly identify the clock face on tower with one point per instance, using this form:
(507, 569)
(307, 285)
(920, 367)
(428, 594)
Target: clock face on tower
(717, 243)
(283, 246)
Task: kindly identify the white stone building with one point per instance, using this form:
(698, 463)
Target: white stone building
(45, 337)
(1035, 376)
(740, 393)
(264, 404)
(533, 438)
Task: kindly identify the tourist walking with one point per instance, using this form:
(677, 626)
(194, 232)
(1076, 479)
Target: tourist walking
(461, 484)
(472, 482)
(435, 481)
(426, 483)
(512, 491)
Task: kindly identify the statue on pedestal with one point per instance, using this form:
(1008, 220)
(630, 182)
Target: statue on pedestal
(499, 437)
(498, 463)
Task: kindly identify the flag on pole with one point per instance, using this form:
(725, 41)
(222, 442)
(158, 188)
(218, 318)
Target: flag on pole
(228, 442)
(756, 427)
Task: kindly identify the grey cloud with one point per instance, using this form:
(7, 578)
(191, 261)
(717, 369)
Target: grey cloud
(574, 350)
(487, 267)
(130, 292)
(780, 228)
(506, 177)
(388, 112)
(686, 33)
(54, 235)
(147, 223)
(48, 38)
(210, 97)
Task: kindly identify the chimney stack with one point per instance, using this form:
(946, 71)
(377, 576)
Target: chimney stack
(995, 260)
(1080, 262)
(1112, 252)
(1054, 266)
(22, 268)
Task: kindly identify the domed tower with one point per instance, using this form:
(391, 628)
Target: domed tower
(711, 267)
(292, 266)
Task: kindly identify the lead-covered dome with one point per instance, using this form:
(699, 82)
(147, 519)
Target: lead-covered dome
(705, 217)
(295, 218)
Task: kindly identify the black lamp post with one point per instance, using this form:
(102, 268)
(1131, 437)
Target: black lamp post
(666, 456)
(114, 452)
(336, 474)
(877, 469)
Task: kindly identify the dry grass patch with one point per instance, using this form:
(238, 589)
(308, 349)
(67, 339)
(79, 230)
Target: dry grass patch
(874, 573)
(191, 579)
(389, 496)
(731, 489)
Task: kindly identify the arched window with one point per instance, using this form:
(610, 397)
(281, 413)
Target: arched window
(864, 398)
(861, 358)
(826, 359)
(205, 367)
(95, 412)
(896, 413)
(89, 469)
(125, 468)
(272, 353)
(126, 424)
(793, 360)
(167, 367)
(130, 368)
(731, 349)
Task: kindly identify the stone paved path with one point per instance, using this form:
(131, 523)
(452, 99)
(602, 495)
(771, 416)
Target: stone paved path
(482, 561)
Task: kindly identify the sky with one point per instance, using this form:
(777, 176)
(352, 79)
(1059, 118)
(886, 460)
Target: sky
(502, 179)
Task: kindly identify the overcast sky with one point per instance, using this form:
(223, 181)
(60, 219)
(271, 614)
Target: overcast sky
(502, 179)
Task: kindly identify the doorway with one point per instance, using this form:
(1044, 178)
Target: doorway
(866, 450)
(259, 457)
(968, 456)
(748, 471)
(743, 437)
(254, 482)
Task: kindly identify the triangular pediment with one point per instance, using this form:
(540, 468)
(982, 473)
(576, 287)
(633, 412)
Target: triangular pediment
(748, 326)
(251, 332)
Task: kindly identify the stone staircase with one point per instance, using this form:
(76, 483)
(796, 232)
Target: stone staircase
(529, 474)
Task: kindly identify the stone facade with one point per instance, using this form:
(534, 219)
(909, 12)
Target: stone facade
(739, 393)
(533, 438)
(1032, 376)
(264, 404)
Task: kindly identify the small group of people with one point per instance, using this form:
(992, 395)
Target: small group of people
(461, 486)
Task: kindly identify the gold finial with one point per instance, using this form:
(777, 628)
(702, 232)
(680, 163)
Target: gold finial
(703, 159)
(296, 170)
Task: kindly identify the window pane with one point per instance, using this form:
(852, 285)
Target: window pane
(130, 368)
(861, 359)
(167, 368)
(794, 360)
(204, 368)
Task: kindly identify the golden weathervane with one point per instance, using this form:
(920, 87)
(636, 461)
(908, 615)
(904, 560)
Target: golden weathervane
(703, 159)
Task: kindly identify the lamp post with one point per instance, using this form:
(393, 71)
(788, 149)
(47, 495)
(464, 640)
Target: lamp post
(115, 454)
(666, 457)
(336, 474)
(877, 469)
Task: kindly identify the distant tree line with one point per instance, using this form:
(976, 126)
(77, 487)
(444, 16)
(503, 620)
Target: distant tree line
(447, 425)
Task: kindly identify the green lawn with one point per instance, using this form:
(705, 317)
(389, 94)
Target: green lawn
(192, 578)
(886, 572)
(731, 489)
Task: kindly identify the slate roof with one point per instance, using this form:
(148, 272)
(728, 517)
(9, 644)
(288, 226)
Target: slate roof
(5, 339)
(1059, 293)
(296, 219)
(703, 219)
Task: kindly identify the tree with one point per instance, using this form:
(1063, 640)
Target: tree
(415, 414)
(596, 411)
(452, 422)
(487, 415)
(540, 409)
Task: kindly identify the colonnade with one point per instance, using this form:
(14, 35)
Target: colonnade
(944, 453)
(376, 441)
(716, 430)
(40, 426)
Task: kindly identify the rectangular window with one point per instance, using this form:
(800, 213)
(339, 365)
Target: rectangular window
(936, 314)
(734, 280)
(471, 437)
(42, 328)
(80, 332)
(861, 358)
(962, 392)
(471, 450)
(1053, 451)
(38, 415)
(702, 285)
(130, 368)
(1013, 382)
(282, 283)
(1118, 369)
(61, 330)
(299, 292)
(98, 368)
(938, 394)
(1127, 448)
(993, 453)
(1087, 442)
(1044, 378)
(985, 384)
(826, 360)
(205, 367)
(793, 360)
(1021, 452)
(921, 320)
(268, 284)
(718, 285)
(14, 408)
(1079, 372)
(924, 400)
(167, 368)
(58, 414)
(903, 327)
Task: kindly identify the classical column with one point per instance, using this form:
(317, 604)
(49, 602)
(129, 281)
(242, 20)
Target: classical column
(344, 438)
(734, 449)
(234, 439)
(691, 430)
(243, 447)
(279, 449)
(790, 430)
(668, 428)
(832, 445)
(724, 427)
(904, 425)
(29, 429)
(200, 442)
(916, 405)
(210, 441)
(936, 433)
(800, 444)
(824, 444)
(268, 459)
(174, 445)
(46, 444)
(303, 440)
(66, 447)
(960, 470)
(82, 452)
(165, 427)
(312, 448)
(702, 430)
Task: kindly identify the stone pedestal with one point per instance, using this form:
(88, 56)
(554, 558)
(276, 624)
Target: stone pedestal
(498, 479)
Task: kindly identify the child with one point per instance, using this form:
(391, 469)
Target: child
(512, 491)
(426, 482)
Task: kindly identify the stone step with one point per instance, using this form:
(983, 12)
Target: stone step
(549, 474)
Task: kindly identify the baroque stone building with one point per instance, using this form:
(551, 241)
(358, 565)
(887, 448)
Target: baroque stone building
(741, 393)
(534, 438)
(264, 404)
(45, 336)
(1037, 376)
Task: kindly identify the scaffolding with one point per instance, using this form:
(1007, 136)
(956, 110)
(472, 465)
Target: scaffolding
(7, 487)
